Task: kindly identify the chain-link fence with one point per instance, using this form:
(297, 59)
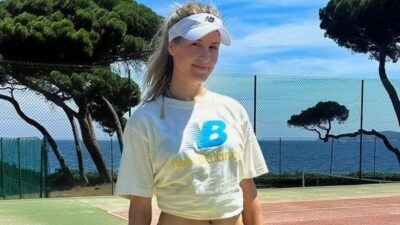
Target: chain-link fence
(270, 102)
(23, 168)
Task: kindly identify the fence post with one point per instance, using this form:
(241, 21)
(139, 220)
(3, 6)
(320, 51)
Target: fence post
(19, 167)
(112, 165)
(280, 157)
(45, 166)
(129, 88)
(374, 156)
(42, 168)
(361, 127)
(255, 104)
(330, 169)
(2, 169)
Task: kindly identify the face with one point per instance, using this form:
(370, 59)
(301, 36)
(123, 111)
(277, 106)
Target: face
(194, 60)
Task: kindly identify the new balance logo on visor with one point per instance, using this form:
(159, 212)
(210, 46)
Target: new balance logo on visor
(197, 26)
(211, 134)
(210, 19)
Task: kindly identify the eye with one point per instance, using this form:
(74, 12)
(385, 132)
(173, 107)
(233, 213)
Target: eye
(214, 47)
(195, 44)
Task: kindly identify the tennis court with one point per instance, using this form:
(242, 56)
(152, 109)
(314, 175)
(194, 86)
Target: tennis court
(65, 211)
(357, 204)
(372, 204)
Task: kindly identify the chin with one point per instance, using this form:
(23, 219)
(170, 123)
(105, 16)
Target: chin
(201, 77)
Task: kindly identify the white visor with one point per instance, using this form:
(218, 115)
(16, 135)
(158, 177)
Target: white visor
(197, 26)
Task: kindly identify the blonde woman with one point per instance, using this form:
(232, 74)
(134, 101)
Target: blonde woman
(191, 148)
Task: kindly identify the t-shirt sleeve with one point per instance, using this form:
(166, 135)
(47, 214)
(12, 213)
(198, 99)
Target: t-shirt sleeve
(135, 176)
(253, 162)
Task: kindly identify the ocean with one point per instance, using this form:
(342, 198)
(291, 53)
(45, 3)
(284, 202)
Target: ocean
(286, 156)
(315, 156)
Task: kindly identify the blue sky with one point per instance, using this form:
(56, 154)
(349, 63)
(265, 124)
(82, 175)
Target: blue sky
(281, 37)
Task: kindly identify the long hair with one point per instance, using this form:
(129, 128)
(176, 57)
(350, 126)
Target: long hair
(160, 65)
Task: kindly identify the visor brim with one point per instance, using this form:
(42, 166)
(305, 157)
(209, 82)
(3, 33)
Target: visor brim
(201, 31)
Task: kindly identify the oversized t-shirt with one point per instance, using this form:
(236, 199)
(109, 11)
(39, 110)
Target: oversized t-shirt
(193, 159)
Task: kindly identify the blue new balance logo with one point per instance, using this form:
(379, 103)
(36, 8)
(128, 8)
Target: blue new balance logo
(212, 134)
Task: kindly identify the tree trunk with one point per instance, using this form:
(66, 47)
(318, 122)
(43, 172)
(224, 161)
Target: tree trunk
(83, 117)
(90, 121)
(388, 86)
(117, 123)
(64, 168)
(82, 174)
(93, 148)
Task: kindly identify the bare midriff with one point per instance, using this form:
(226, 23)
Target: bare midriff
(168, 219)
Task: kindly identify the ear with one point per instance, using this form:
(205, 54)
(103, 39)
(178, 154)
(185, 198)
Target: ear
(171, 48)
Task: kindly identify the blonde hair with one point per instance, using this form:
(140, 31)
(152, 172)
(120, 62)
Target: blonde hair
(160, 65)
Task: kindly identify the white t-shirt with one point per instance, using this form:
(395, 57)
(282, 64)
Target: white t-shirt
(193, 159)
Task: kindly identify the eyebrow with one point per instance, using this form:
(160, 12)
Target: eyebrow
(217, 42)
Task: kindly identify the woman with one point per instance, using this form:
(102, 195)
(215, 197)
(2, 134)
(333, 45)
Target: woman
(193, 149)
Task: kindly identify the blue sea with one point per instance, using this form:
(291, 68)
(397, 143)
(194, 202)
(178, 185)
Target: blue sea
(281, 156)
(342, 157)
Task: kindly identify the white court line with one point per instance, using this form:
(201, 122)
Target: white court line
(114, 214)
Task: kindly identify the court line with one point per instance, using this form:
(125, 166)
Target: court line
(117, 215)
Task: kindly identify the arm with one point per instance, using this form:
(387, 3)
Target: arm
(140, 210)
(251, 214)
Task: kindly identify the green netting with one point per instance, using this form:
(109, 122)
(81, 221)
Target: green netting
(22, 168)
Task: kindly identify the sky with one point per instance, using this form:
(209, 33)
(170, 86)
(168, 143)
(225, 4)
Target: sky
(281, 37)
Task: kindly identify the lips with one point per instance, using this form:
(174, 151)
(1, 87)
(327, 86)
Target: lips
(201, 67)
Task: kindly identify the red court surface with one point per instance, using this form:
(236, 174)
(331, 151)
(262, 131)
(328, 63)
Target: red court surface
(358, 211)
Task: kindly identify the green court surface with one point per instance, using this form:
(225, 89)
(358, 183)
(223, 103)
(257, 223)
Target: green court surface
(60, 211)
(97, 210)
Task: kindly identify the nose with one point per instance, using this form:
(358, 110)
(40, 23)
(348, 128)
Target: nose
(204, 54)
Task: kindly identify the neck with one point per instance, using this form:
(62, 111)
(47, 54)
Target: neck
(186, 93)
